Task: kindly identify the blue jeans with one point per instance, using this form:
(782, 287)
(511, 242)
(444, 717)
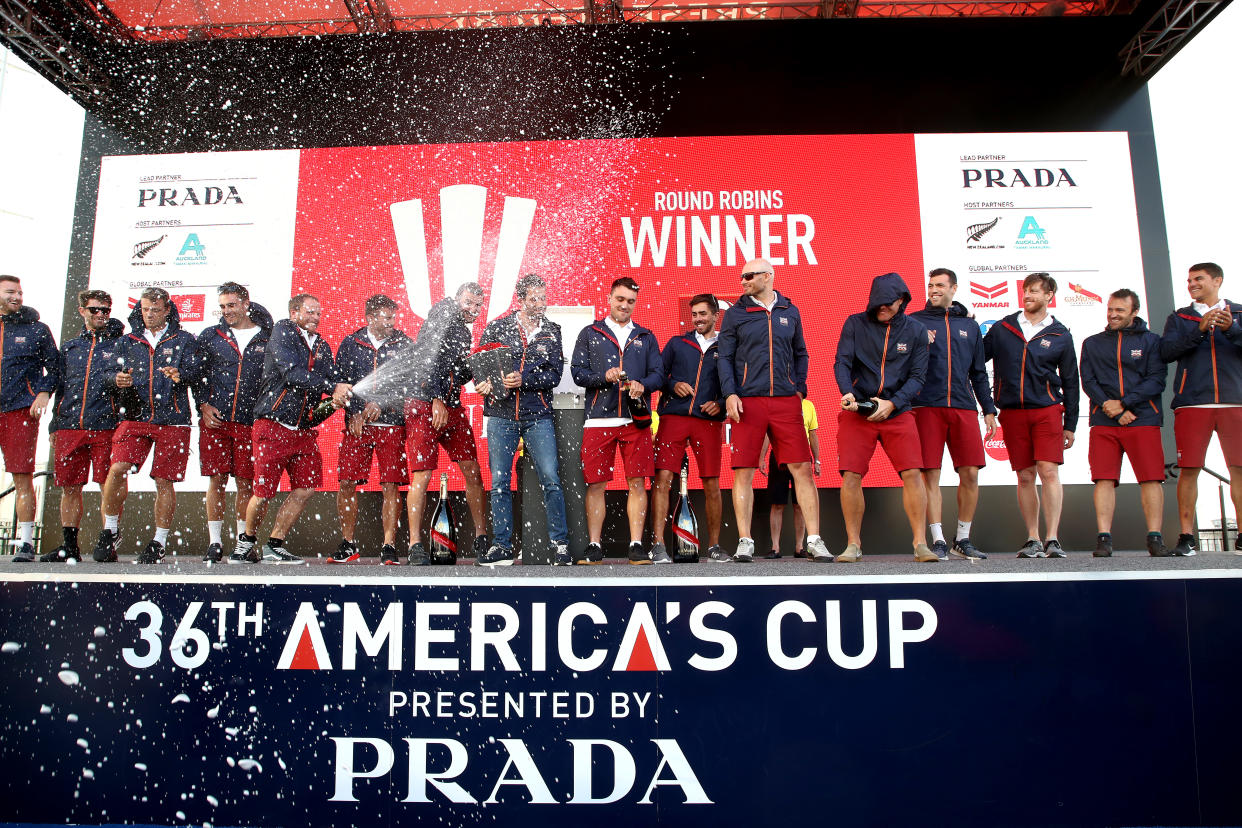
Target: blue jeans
(540, 441)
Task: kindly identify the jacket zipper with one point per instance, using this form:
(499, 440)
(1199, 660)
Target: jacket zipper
(90, 353)
(884, 358)
(771, 376)
(948, 383)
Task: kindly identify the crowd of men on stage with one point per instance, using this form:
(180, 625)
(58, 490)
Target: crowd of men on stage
(913, 382)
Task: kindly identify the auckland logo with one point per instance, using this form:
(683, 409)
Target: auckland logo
(976, 232)
(462, 211)
(1032, 236)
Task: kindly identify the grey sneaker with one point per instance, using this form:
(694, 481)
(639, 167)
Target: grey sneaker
(659, 555)
(24, 554)
(417, 555)
(745, 551)
(719, 555)
(562, 557)
(852, 554)
(496, 556)
(940, 549)
(1053, 549)
(924, 555)
(278, 555)
(1156, 547)
(965, 549)
(818, 551)
(1031, 549)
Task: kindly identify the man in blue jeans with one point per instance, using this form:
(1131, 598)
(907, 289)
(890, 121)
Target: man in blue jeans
(522, 409)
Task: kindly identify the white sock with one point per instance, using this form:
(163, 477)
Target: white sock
(214, 529)
(26, 531)
(161, 536)
(241, 527)
(936, 531)
(963, 529)
(739, 540)
(112, 523)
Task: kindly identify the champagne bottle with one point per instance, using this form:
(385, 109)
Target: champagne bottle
(639, 411)
(443, 529)
(321, 412)
(685, 525)
(867, 407)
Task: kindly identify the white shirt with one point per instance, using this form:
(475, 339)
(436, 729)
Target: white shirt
(245, 336)
(622, 333)
(704, 342)
(153, 338)
(768, 306)
(1032, 329)
(375, 343)
(530, 333)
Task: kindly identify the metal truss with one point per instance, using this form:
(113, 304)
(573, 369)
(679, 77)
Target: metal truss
(1176, 22)
(27, 32)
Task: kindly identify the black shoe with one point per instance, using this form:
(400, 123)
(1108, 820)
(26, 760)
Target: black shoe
(246, 552)
(278, 555)
(153, 554)
(347, 552)
(561, 556)
(1156, 547)
(390, 556)
(1103, 546)
(1237, 544)
(497, 556)
(802, 553)
(417, 555)
(639, 556)
(1031, 549)
(940, 549)
(214, 554)
(963, 548)
(480, 546)
(1185, 546)
(773, 555)
(105, 547)
(62, 554)
(1053, 549)
(719, 555)
(24, 554)
(659, 554)
(593, 555)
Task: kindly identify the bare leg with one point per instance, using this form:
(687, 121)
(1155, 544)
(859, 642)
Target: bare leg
(347, 508)
(636, 507)
(1187, 498)
(245, 490)
(1235, 492)
(24, 484)
(776, 522)
(391, 513)
(1028, 501)
(1105, 497)
(967, 492)
(256, 512)
(1151, 495)
(852, 506)
(71, 506)
(935, 503)
(416, 502)
(914, 501)
(215, 498)
(165, 503)
(115, 489)
(595, 510)
(476, 498)
(659, 503)
(808, 495)
(288, 512)
(711, 500)
(1050, 476)
(743, 499)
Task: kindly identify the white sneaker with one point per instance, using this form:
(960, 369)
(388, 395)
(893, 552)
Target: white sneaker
(818, 551)
(745, 551)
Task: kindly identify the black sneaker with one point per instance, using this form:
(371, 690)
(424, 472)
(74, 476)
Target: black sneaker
(62, 554)
(593, 556)
(639, 556)
(659, 554)
(1156, 547)
(940, 549)
(561, 556)
(480, 546)
(246, 552)
(719, 555)
(1103, 546)
(24, 554)
(1053, 549)
(1185, 546)
(963, 548)
(1032, 549)
(1237, 544)
(214, 554)
(390, 556)
(497, 556)
(347, 552)
(417, 555)
(105, 547)
(278, 555)
(153, 554)
(802, 553)
(773, 555)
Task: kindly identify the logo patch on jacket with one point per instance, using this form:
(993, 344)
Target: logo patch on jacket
(784, 320)
(1043, 343)
(962, 333)
(19, 339)
(167, 352)
(1136, 353)
(902, 347)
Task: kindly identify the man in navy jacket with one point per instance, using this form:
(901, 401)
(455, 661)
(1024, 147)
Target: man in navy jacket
(946, 411)
(1123, 377)
(691, 414)
(297, 373)
(1035, 377)
(85, 415)
(153, 368)
(29, 366)
(1205, 338)
(232, 361)
(606, 352)
(881, 358)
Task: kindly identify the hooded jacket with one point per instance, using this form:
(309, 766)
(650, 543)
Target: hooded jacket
(597, 350)
(1124, 365)
(154, 398)
(295, 379)
(84, 397)
(356, 358)
(883, 359)
(1033, 374)
(231, 379)
(540, 362)
(1209, 365)
(685, 362)
(762, 354)
(29, 361)
(442, 355)
(957, 374)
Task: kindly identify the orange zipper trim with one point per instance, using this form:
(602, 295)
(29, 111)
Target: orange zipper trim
(1121, 380)
(884, 358)
(771, 376)
(85, 383)
(948, 384)
(1215, 384)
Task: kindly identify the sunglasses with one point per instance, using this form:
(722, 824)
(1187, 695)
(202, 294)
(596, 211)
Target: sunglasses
(104, 311)
(746, 277)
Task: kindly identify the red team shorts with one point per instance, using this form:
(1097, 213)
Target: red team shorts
(1034, 434)
(1193, 427)
(857, 436)
(78, 452)
(18, 434)
(704, 436)
(133, 441)
(386, 442)
(457, 436)
(958, 428)
(228, 449)
(599, 452)
(1140, 443)
(278, 450)
(778, 417)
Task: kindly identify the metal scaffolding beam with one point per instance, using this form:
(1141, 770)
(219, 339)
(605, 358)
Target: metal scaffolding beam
(27, 33)
(1176, 22)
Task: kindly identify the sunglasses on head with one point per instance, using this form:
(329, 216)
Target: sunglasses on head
(746, 277)
(106, 310)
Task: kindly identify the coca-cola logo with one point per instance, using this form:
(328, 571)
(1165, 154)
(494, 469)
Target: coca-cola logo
(995, 445)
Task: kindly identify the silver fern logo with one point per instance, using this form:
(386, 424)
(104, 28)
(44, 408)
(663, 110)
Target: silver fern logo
(462, 209)
(142, 248)
(976, 232)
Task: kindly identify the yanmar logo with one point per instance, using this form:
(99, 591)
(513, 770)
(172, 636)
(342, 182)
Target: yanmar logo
(992, 296)
(462, 219)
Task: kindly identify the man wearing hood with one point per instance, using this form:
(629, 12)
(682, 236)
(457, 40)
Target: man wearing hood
(85, 414)
(29, 370)
(372, 427)
(946, 411)
(1035, 379)
(232, 356)
(881, 359)
(1123, 377)
(156, 363)
(762, 366)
